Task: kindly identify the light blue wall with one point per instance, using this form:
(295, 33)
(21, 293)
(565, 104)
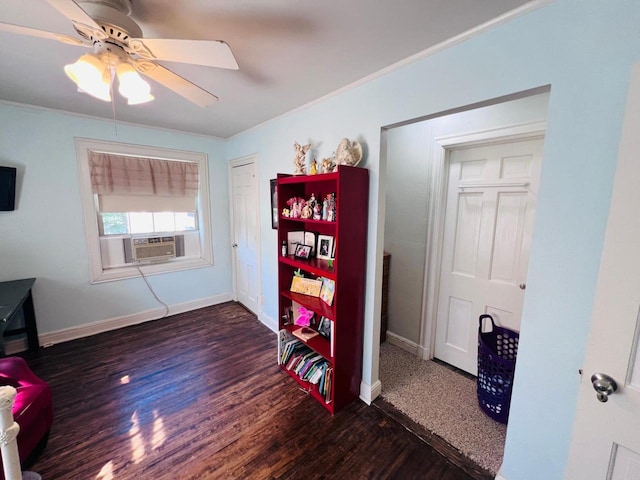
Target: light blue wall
(44, 237)
(584, 50)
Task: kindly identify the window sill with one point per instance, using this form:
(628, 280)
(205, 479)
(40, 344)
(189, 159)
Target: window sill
(121, 273)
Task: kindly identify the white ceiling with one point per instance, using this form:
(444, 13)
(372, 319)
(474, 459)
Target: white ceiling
(290, 52)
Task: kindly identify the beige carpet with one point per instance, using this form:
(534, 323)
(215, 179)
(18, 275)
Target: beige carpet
(442, 401)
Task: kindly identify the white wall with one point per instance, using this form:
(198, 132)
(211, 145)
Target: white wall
(407, 196)
(44, 237)
(584, 50)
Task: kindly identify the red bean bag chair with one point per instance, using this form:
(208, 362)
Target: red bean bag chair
(32, 408)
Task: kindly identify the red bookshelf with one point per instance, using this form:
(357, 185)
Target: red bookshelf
(348, 271)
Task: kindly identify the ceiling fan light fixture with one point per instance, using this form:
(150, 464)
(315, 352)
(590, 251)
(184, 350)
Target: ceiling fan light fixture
(91, 76)
(132, 86)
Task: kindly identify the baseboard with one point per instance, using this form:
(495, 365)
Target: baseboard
(269, 322)
(73, 333)
(368, 393)
(403, 343)
(424, 353)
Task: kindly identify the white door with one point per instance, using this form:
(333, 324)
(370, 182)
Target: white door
(606, 436)
(245, 211)
(489, 217)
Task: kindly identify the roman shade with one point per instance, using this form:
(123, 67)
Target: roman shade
(138, 184)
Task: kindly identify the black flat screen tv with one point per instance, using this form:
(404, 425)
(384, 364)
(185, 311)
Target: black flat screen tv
(7, 189)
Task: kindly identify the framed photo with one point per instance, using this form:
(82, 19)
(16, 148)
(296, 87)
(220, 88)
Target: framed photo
(324, 327)
(274, 204)
(324, 249)
(303, 251)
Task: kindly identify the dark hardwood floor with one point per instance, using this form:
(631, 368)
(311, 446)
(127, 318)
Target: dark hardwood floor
(199, 396)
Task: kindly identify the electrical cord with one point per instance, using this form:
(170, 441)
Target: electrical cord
(144, 277)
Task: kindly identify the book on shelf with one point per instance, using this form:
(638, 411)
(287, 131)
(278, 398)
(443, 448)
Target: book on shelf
(327, 290)
(306, 286)
(310, 239)
(326, 328)
(321, 380)
(327, 385)
(332, 339)
(293, 240)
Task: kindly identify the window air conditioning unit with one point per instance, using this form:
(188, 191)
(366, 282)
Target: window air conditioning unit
(153, 249)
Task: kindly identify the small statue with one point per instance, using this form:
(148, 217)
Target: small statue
(348, 153)
(314, 167)
(299, 160)
(285, 212)
(331, 207)
(307, 211)
(317, 212)
(326, 166)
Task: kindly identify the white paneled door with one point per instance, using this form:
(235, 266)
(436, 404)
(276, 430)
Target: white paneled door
(490, 209)
(606, 436)
(245, 234)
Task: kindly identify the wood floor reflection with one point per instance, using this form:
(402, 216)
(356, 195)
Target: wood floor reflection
(199, 396)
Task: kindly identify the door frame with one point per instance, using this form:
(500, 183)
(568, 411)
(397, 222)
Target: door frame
(438, 178)
(240, 162)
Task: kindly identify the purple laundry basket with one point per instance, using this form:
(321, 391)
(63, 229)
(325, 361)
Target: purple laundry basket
(497, 351)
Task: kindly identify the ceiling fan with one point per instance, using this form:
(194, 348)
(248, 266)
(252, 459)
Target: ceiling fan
(119, 49)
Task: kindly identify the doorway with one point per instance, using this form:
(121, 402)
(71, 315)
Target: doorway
(417, 168)
(245, 232)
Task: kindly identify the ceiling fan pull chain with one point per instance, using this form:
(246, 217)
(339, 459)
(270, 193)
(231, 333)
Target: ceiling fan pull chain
(113, 99)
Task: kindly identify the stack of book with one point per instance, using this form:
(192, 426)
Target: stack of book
(309, 366)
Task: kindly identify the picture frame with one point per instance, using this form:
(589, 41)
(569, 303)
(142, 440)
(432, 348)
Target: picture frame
(303, 251)
(324, 327)
(275, 213)
(324, 250)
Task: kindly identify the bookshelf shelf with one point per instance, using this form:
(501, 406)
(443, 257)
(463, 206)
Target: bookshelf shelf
(309, 221)
(318, 343)
(312, 303)
(315, 267)
(333, 367)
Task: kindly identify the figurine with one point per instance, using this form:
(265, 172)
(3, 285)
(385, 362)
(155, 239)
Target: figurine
(286, 212)
(325, 209)
(317, 212)
(299, 160)
(326, 166)
(304, 317)
(348, 153)
(314, 167)
(307, 211)
(331, 207)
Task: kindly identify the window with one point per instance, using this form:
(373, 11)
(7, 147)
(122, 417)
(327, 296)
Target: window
(124, 223)
(132, 190)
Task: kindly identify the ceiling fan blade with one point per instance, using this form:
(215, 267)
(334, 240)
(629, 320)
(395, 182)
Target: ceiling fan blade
(33, 32)
(210, 53)
(175, 82)
(78, 16)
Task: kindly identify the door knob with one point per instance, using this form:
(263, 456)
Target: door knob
(522, 286)
(604, 386)
(235, 245)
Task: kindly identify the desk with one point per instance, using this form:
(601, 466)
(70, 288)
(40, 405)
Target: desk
(15, 296)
